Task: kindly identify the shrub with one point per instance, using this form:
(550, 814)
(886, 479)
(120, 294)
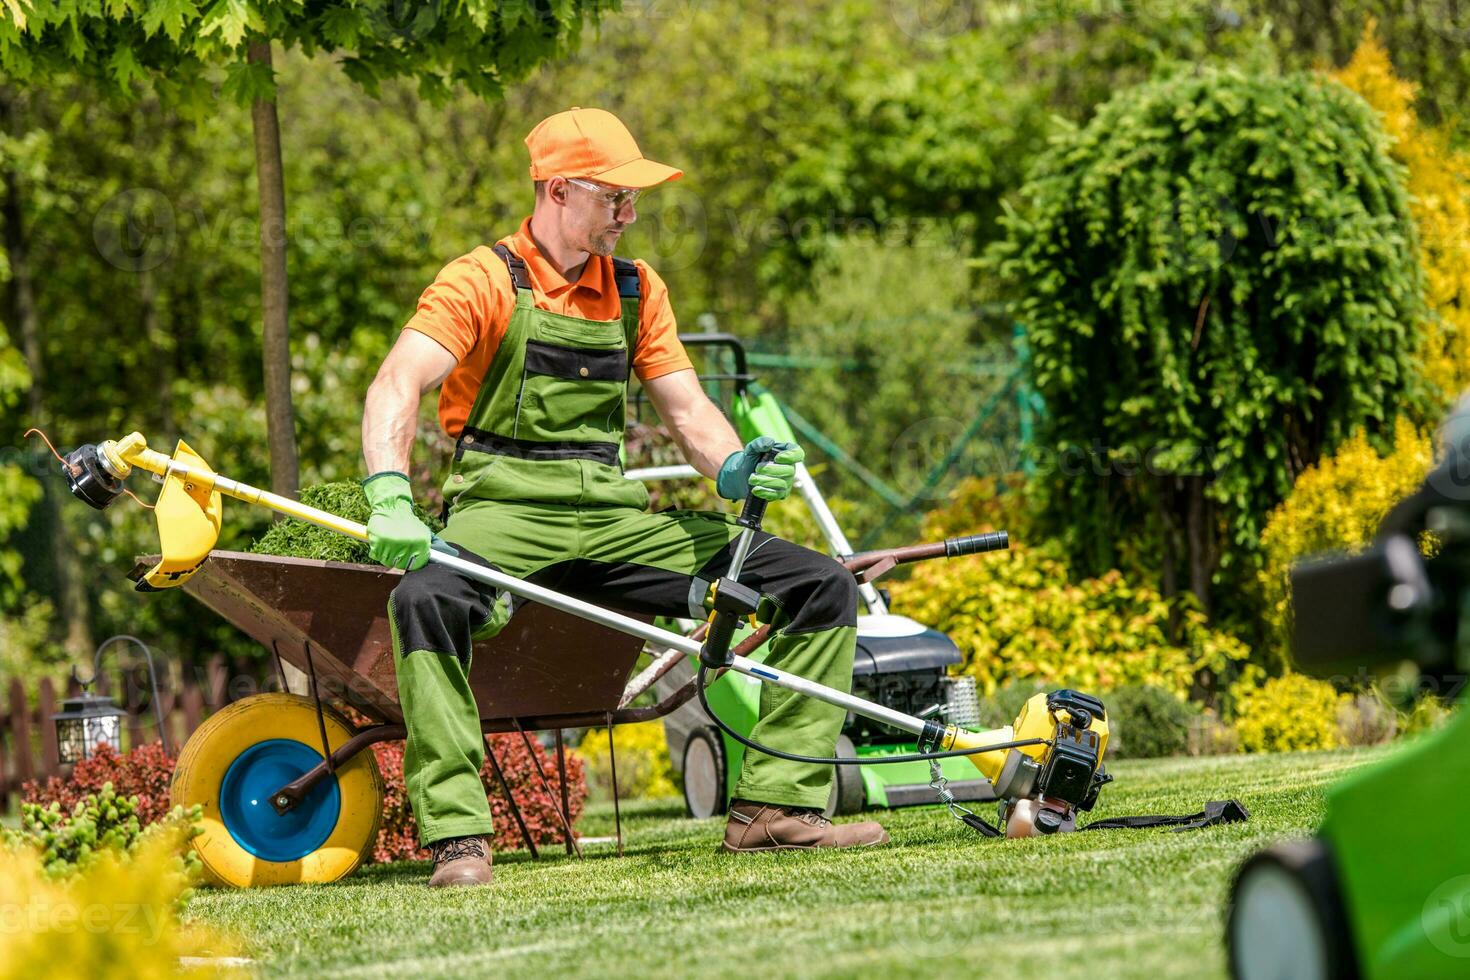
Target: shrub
(124, 906)
(1148, 722)
(143, 773)
(1365, 719)
(1019, 616)
(1426, 714)
(1291, 713)
(644, 770)
(1024, 626)
(292, 538)
(1439, 189)
(98, 824)
(1335, 506)
(1219, 282)
(1208, 735)
(1001, 706)
(398, 837)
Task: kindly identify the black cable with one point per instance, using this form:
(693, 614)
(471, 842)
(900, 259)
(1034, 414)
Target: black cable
(856, 761)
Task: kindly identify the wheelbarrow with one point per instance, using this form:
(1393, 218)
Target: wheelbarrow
(546, 671)
(288, 795)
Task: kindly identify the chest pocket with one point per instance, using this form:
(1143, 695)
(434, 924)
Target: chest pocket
(573, 393)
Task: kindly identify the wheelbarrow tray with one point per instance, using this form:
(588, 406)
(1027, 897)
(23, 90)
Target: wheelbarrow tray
(545, 669)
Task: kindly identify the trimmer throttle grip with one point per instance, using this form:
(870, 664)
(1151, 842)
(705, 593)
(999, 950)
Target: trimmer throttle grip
(754, 510)
(974, 544)
(731, 602)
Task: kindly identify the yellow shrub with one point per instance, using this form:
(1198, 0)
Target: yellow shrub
(1336, 506)
(643, 761)
(116, 919)
(1018, 615)
(1437, 180)
(1291, 713)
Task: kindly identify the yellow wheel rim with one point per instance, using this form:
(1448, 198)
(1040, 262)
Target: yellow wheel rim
(250, 745)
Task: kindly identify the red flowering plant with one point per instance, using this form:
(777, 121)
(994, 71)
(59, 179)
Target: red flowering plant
(146, 772)
(398, 836)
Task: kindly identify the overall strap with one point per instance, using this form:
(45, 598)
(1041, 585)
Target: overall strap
(630, 292)
(520, 276)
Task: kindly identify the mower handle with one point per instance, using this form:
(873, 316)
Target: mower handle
(967, 544)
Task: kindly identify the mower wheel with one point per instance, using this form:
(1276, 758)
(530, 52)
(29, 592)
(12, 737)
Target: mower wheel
(251, 748)
(1286, 916)
(849, 795)
(704, 773)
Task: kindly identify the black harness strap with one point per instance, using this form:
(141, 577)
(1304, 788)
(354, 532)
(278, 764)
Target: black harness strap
(1215, 812)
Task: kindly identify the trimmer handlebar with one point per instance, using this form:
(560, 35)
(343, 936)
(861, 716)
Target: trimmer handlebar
(730, 600)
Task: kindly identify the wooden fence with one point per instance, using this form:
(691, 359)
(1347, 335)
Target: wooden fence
(28, 748)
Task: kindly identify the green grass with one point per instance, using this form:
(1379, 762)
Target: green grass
(936, 901)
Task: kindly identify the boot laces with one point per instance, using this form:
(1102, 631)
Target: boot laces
(457, 847)
(813, 817)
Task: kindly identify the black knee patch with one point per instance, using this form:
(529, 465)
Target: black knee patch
(436, 608)
(814, 591)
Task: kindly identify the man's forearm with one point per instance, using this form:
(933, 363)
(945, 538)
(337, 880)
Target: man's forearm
(706, 438)
(389, 423)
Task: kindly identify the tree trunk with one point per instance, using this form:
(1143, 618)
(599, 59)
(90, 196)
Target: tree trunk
(275, 332)
(72, 603)
(1200, 548)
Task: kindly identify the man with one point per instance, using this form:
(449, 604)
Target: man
(533, 341)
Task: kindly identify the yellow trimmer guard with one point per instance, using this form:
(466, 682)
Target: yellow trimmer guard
(188, 515)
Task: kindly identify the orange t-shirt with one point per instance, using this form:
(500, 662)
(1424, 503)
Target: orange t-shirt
(467, 309)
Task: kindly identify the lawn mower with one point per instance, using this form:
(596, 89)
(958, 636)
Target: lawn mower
(899, 662)
(294, 799)
(1382, 892)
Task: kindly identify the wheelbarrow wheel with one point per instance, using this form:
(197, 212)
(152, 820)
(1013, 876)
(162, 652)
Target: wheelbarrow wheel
(246, 751)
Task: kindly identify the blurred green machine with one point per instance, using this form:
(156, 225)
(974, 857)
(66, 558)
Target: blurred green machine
(1382, 892)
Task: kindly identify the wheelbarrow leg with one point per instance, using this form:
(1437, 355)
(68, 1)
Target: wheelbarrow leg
(562, 815)
(561, 772)
(612, 758)
(515, 808)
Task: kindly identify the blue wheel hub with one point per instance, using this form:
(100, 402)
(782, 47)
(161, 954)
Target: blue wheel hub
(245, 806)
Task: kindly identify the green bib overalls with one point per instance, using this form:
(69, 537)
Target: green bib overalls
(536, 490)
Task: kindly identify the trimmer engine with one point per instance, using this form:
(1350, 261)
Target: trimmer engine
(1042, 786)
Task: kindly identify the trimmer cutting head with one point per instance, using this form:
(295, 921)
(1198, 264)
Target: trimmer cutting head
(188, 510)
(89, 479)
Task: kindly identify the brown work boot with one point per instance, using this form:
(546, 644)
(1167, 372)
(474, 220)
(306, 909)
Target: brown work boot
(461, 861)
(769, 827)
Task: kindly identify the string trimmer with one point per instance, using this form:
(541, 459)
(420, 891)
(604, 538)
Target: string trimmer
(1045, 767)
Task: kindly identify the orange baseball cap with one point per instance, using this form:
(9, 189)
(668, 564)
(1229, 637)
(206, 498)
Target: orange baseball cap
(592, 143)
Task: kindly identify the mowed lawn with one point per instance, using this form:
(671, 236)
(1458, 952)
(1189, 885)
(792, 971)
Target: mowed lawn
(937, 901)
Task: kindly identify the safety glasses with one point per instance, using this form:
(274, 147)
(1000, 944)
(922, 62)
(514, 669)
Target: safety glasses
(614, 199)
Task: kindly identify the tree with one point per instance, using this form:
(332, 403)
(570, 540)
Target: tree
(1219, 283)
(479, 45)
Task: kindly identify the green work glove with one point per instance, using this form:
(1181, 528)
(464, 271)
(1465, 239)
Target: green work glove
(773, 480)
(396, 536)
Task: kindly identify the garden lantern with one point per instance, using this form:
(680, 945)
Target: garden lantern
(86, 722)
(90, 720)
